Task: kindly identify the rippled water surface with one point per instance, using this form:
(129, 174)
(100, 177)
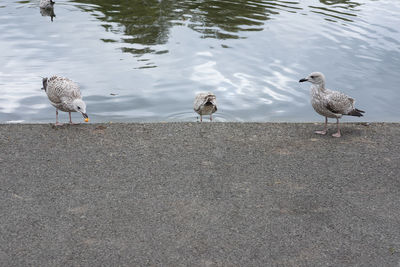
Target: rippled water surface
(144, 60)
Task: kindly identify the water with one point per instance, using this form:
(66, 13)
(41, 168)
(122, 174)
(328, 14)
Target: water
(144, 60)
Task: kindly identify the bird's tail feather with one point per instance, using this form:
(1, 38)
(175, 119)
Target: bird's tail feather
(356, 112)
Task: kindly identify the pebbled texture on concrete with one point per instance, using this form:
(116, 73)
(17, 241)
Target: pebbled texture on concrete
(191, 194)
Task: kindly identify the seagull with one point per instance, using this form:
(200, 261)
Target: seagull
(328, 103)
(205, 104)
(47, 4)
(64, 95)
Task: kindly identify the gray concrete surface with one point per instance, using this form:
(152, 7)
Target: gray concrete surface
(191, 194)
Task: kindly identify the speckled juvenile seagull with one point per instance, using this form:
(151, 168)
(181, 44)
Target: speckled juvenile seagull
(205, 104)
(64, 95)
(331, 104)
(47, 4)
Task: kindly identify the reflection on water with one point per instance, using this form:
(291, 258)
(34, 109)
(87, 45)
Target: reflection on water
(142, 23)
(144, 60)
(337, 10)
(344, 4)
(49, 12)
(147, 23)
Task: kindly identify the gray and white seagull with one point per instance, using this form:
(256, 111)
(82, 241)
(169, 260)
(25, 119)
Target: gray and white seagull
(205, 104)
(328, 103)
(46, 4)
(64, 95)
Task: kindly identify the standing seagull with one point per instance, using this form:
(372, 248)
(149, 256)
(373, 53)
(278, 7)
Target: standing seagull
(64, 95)
(46, 4)
(205, 104)
(331, 104)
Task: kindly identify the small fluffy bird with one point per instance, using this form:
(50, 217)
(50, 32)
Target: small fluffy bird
(328, 103)
(46, 4)
(64, 95)
(205, 104)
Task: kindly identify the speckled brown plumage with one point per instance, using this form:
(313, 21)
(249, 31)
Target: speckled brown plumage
(46, 4)
(64, 95)
(205, 104)
(328, 103)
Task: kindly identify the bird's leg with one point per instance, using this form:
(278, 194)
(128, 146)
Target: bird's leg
(338, 129)
(201, 118)
(210, 117)
(323, 132)
(70, 120)
(57, 123)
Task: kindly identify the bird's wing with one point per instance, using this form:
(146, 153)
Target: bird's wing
(59, 88)
(52, 91)
(199, 100)
(339, 103)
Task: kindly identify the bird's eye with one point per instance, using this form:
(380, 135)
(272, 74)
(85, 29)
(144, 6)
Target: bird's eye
(79, 107)
(312, 77)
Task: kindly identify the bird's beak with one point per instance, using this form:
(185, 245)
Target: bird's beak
(85, 115)
(303, 80)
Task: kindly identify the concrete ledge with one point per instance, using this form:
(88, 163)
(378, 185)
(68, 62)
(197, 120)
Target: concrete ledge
(191, 194)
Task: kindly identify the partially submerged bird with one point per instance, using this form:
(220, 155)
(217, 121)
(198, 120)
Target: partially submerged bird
(64, 95)
(46, 4)
(331, 104)
(205, 104)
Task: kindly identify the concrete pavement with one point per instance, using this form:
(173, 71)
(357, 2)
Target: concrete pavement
(191, 194)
